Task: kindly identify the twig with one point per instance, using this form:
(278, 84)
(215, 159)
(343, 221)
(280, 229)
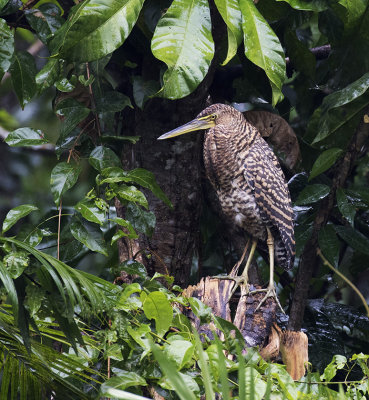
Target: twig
(93, 104)
(328, 264)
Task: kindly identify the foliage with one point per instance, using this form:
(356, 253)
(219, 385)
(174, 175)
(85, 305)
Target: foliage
(47, 298)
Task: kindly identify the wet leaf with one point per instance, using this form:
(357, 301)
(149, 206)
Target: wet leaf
(142, 221)
(71, 113)
(353, 238)
(262, 47)
(63, 85)
(90, 235)
(131, 234)
(134, 268)
(179, 351)
(16, 262)
(156, 306)
(329, 120)
(15, 214)
(329, 244)
(25, 137)
(345, 206)
(324, 162)
(45, 20)
(102, 157)
(308, 5)
(312, 194)
(231, 14)
(183, 40)
(90, 211)
(130, 193)
(48, 74)
(124, 380)
(95, 29)
(338, 362)
(6, 47)
(63, 177)
(23, 72)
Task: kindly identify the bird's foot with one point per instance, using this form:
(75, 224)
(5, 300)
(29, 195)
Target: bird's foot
(239, 281)
(270, 292)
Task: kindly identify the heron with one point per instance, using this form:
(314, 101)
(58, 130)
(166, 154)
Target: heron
(250, 185)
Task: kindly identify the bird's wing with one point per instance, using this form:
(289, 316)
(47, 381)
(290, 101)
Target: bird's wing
(265, 177)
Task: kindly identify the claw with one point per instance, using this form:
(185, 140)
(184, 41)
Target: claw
(270, 292)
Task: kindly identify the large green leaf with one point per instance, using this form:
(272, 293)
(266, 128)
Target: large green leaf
(45, 20)
(312, 194)
(23, 72)
(102, 157)
(63, 177)
(95, 29)
(329, 244)
(90, 235)
(354, 238)
(48, 74)
(324, 161)
(157, 307)
(141, 220)
(347, 209)
(90, 211)
(112, 102)
(130, 193)
(124, 380)
(183, 40)
(25, 137)
(6, 47)
(15, 214)
(231, 14)
(263, 47)
(331, 116)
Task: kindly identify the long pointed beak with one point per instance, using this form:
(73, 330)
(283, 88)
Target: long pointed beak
(194, 125)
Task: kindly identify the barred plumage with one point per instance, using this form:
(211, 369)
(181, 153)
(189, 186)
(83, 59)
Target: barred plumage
(249, 183)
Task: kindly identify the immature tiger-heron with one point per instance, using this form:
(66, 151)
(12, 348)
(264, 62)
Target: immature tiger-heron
(249, 183)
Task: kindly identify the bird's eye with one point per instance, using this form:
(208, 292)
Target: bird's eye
(213, 117)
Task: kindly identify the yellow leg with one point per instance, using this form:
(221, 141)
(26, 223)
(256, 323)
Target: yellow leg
(270, 290)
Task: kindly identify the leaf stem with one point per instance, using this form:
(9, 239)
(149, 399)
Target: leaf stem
(357, 291)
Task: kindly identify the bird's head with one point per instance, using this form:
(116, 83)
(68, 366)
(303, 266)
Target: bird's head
(216, 114)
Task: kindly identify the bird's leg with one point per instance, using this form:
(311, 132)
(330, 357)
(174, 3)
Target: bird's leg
(270, 290)
(243, 278)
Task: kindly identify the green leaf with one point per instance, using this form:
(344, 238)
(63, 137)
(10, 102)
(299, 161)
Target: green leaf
(183, 40)
(179, 350)
(330, 116)
(63, 177)
(262, 47)
(71, 113)
(143, 90)
(255, 387)
(124, 380)
(126, 224)
(329, 244)
(6, 47)
(308, 5)
(330, 371)
(147, 179)
(130, 193)
(102, 157)
(90, 235)
(201, 310)
(171, 373)
(65, 86)
(90, 211)
(231, 14)
(48, 74)
(95, 29)
(285, 381)
(45, 20)
(133, 268)
(324, 161)
(10, 288)
(121, 394)
(142, 221)
(205, 371)
(15, 214)
(25, 137)
(16, 262)
(312, 194)
(345, 206)
(23, 72)
(156, 306)
(353, 238)
(112, 102)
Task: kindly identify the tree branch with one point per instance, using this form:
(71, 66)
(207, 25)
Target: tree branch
(309, 258)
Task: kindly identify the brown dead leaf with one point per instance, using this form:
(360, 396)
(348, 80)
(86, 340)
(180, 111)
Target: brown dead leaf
(278, 133)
